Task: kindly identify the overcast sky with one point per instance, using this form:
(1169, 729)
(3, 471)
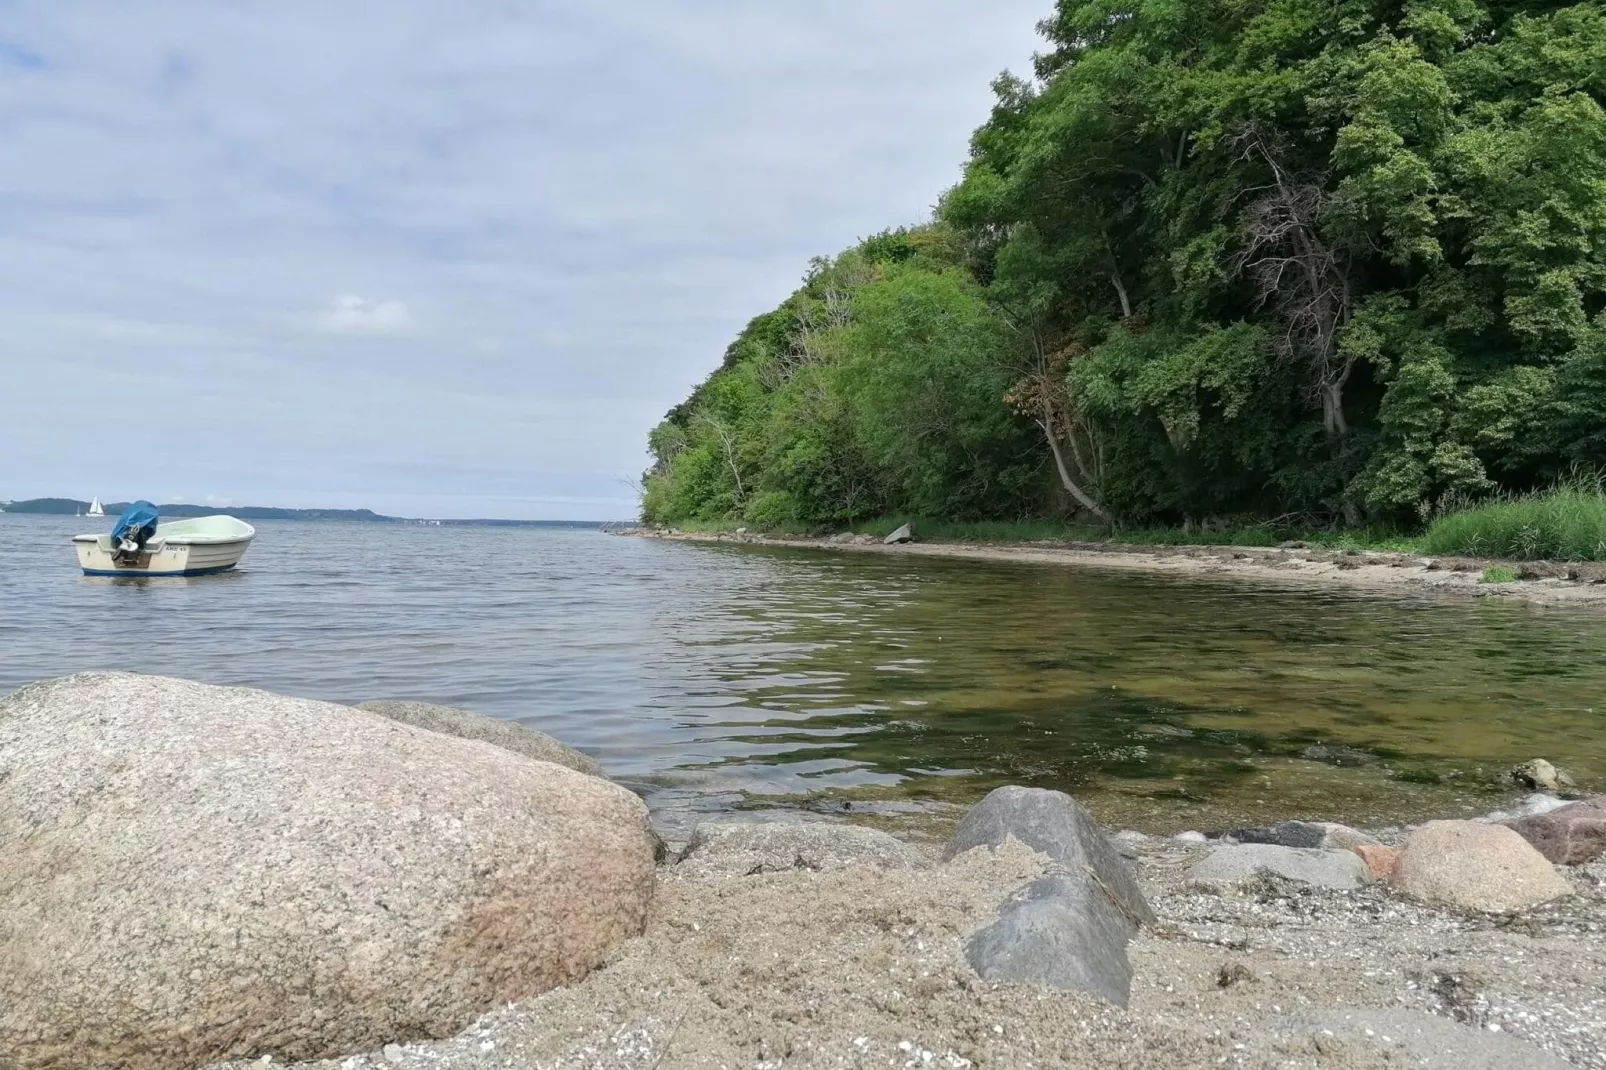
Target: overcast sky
(434, 258)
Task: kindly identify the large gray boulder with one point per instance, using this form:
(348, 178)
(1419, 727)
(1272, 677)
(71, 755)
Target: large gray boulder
(1341, 870)
(1070, 928)
(194, 874)
(746, 848)
(509, 735)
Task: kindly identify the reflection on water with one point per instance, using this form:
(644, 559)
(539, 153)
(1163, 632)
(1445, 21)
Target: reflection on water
(712, 676)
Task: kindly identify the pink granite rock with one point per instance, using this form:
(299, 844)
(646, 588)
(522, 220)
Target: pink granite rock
(1569, 836)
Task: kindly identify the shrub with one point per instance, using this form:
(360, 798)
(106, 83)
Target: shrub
(1567, 523)
(771, 509)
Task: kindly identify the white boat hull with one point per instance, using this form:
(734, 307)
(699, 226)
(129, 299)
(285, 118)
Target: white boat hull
(201, 547)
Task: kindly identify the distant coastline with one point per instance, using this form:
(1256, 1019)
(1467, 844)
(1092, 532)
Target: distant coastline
(74, 507)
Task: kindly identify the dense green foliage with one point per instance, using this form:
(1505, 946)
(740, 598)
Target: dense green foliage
(1326, 260)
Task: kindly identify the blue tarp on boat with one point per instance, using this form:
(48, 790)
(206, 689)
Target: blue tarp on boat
(138, 522)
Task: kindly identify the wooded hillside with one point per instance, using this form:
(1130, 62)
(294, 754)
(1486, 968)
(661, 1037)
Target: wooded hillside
(1335, 261)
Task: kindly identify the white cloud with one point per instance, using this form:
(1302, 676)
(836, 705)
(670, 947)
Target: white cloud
(352, 315)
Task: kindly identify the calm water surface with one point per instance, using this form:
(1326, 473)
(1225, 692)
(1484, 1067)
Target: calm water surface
(710, 677)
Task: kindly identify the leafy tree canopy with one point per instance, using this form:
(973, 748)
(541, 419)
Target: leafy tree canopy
(1333, 258)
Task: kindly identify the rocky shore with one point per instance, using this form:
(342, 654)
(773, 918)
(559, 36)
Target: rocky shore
(197, 870)
(1295, 564)
(831, 946)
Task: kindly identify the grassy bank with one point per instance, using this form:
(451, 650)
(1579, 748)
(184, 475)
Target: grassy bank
(1564, 524)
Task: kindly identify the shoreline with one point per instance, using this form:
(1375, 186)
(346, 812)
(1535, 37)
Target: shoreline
(425, 888)
(1371, 572)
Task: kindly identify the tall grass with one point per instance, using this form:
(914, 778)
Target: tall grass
(1566, 523)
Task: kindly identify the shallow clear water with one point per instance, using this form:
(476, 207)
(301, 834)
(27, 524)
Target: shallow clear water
(712, 676)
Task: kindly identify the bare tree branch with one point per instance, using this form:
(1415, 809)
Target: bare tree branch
(1301, 275)
(728, 448)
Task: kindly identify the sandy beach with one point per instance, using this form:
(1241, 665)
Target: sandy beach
(1377, 572)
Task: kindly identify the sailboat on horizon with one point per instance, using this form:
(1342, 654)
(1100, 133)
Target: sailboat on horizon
(95, 509)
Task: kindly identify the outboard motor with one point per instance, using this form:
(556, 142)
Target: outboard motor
(133, 530)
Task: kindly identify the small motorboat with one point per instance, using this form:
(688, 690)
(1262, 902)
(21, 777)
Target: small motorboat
(142, 544)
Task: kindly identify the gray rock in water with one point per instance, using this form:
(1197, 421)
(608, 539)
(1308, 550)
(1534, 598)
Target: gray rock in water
(1343, 870)
(509, 735)
(903, 534)
(1371, 1036)
(197, 874)
(1070, 928)
(745, 848)
(1539, 775)
(1338, 754)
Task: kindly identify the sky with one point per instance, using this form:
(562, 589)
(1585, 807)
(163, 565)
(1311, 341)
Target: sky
(427, 257)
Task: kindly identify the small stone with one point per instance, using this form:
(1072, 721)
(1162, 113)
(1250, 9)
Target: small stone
(741, 531)
(1537, 774)
(1475, 866)
(1569, 835)
(1379, 860)
(1232, 973)
(1191, 837)
(1338, 754)
(1341, 870)
(393, 1053)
